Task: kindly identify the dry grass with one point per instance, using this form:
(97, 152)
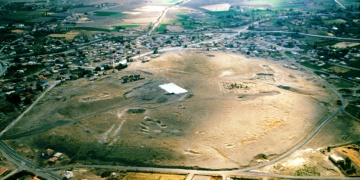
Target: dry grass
(17, 31)
(338, 69)
(351, 152)
(152, 176)
(345, 44)
(68, 36)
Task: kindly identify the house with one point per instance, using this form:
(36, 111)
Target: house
(58, 155)
(52, 160)
(35, 178)
(336, 159)
(68, 174)
(18, 25)
(47, 153)
(4, 170)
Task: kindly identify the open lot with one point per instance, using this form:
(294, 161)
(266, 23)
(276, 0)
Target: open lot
(68, 36)
(237, 112)
(339, 131)
(152, 176)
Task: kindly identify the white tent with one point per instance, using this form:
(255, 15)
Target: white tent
(173, 88)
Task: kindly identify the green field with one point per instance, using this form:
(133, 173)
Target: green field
(88, 29)
(275, 3)
(312, 66)
(108, 14)
(185, 22)
(161, 28)
(25, 15)
(127, 26)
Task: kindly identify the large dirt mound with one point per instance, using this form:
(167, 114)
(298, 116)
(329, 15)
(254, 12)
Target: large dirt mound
(236, 112)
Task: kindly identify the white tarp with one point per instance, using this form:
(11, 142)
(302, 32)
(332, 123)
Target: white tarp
(173, 88)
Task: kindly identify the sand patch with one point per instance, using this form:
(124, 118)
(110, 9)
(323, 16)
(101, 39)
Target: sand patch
(151, 8)
(217, 7)
(138, 20)
(17, 31)
(172, 28)
(132, 12)
(338, 69)
(345, 44)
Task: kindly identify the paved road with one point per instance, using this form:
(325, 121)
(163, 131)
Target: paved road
(162, 15)
(304, 34)
(3, 68)
(340, 4)
(83, 67)
(346, 67)
(3, 48)
(191, 173)
(24, 164)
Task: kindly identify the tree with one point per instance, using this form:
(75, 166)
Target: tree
(107, 67)
(98, 69)
(347, 162)
(27, 100)
(121, 66)
(252, 27)
(14, 98)
(16, 60)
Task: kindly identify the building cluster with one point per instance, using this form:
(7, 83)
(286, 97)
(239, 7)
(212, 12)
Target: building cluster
(52, 156)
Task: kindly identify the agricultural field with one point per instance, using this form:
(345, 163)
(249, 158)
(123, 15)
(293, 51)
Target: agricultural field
(68, 36)
(127, 26)
(179, 19)
(162, 28)
(109, 14)
(22, 16)
(152, 176)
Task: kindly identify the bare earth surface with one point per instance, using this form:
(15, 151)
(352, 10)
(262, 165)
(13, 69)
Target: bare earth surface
(237, 112)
